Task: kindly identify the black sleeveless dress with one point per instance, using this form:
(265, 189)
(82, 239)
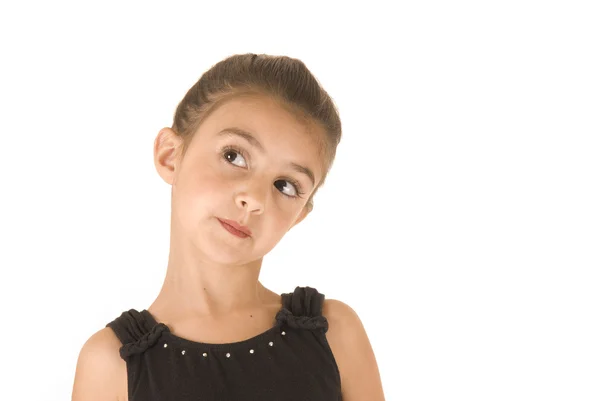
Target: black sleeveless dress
(292, 361)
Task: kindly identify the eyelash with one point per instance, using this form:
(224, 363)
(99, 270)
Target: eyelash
(295, 183)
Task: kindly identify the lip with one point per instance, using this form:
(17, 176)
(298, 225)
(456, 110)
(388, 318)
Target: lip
(238, 229)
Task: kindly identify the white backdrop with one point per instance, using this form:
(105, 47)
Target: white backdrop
(460, 219)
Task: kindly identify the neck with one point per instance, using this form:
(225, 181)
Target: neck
(196, 285)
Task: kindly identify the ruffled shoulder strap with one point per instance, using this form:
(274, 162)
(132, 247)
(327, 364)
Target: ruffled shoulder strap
(137, 331)
(303, 309)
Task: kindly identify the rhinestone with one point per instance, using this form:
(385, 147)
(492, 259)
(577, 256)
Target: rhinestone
(183, 352)
(283, 333)
(205, 355)
(165, 345)
(270, 343)
(228, 355)
(252, 351)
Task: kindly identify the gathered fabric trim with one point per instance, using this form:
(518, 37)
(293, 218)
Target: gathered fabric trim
(285, 316)
(145, 342)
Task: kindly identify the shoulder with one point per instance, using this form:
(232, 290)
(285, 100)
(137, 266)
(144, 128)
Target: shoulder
(345, 326)
(353, 353)
(101, 373)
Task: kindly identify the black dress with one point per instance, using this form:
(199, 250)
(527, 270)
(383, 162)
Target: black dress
(292, 361)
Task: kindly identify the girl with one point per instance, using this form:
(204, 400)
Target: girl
(251, 143)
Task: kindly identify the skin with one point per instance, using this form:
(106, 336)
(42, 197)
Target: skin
(212, 292)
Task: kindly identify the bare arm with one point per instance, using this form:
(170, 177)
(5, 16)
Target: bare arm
(101, 374)
(353, 353)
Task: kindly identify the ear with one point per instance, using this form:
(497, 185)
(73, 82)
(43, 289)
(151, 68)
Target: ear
(167, 147)
(305, 211)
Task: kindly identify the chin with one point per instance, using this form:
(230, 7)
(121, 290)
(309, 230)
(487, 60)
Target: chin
(222, 247)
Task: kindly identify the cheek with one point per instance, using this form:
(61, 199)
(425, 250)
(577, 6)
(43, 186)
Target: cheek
(282, 221)
(198, 191)
(211, 185)
(207, 180)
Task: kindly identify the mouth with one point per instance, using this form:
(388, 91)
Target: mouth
(235, 229)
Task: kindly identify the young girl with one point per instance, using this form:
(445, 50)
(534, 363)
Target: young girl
(251, 143)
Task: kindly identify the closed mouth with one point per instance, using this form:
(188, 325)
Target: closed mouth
(235, 228)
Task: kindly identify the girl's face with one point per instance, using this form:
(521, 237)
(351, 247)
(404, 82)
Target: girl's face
(253, 162)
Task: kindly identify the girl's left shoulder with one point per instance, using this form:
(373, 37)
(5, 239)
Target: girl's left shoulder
(353, 352)
(345, 326)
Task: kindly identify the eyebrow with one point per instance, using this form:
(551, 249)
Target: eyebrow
(234, 131)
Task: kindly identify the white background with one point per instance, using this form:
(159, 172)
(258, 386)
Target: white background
(461, 218)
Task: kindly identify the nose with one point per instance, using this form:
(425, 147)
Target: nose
(252, 199)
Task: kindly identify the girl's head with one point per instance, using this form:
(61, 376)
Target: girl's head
(252, 141)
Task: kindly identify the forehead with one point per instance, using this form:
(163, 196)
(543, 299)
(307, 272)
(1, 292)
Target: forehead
(268, 116)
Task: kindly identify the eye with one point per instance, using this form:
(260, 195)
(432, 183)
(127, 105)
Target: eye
(237, 155)
(292, 186)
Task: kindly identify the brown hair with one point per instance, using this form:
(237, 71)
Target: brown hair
(283, 78)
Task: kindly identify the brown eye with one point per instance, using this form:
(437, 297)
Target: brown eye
(291, 186)
(232, 156)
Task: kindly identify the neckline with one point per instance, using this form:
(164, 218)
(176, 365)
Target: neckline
(198, 344)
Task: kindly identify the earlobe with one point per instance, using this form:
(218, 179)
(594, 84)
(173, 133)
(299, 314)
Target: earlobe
(166, 154)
